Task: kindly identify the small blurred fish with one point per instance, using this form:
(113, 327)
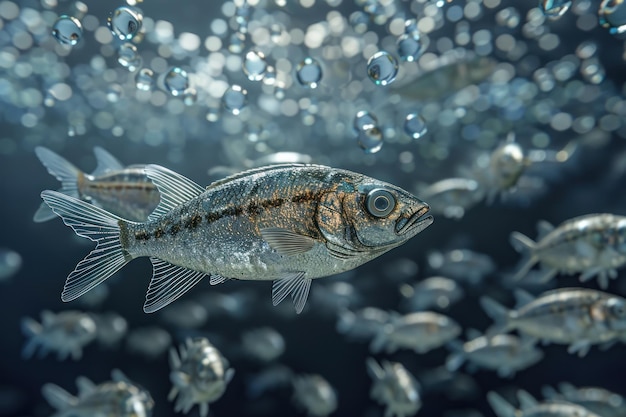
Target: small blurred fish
(264, 344)
(119, 398)
(66, 333)
(530, 407)
(150, 342)
(286, 223)
(452, 197)
(577, 317)
(10, 263)
(110, 328)
(124, 191)
(593, 244)
(199, 374)
(314, 394)
(394, 387)
(463, 265)
(599, 400)
(361, 324)
(504, 353)
(420, 331)
(433, 292)
(274, 377)
(187, 314)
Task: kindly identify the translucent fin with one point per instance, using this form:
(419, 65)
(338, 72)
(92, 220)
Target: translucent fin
(522, 297)
(455, 360)
(472, 334)
(521, 243)
(175, 189)
(216, 279)
(119, 376)
(168, 283)
(286, 242)
(57, 397)
(204, 409)
(48, 318)
(379, 341)
(43, 214)
(30, 327)
(579, 347)
(85, 386)
(526, 401)
(295, 284)
(375, 371)
(543, 228)
(97, 225)
(498, 313)
(499, 405)
(105, 162)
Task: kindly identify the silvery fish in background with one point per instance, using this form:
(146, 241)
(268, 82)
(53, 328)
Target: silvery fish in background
(287, 223)
(124, 191)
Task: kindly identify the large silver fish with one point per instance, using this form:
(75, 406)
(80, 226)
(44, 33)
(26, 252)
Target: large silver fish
(124, 191)
(287, 223)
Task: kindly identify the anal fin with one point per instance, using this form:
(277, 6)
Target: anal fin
(168, 283)
(295, 284)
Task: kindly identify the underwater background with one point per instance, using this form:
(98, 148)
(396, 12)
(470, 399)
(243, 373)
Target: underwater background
(182, 90)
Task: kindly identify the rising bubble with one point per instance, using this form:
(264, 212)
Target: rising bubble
(235, 99)
(254, 65)
(67, 30)
(410, 47)
(309, 73)
(382, 68)
(144, 79)
(176, 81)
(364, 120)
(554, 9)
(128, 57)
(125, 22)
(612, 15)
(415, 126)
(370, 139)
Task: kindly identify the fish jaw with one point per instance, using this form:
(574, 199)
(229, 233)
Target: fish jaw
(413, 224)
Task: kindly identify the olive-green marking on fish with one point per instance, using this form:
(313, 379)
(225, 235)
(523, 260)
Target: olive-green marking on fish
(286, 223)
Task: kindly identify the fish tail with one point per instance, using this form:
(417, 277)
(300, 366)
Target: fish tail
(498, 313)
(62, 170)
(95, 224)
(31, 329)
(499, 405)
(57, 397)
(456, 359)
(523, 244)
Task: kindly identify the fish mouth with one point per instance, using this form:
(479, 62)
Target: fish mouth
(415, 223)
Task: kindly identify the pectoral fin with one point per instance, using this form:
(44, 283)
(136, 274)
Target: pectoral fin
(286, 242)
(295, 284)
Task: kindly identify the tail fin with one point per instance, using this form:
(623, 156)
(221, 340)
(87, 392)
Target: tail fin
(57, 397)
(523, 244)
(457, 357)
(95, 224)
(62, 170)
(31, 329)
(498, 313)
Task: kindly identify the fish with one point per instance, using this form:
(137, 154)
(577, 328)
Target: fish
(394, 387)
(529, 406)
(118, 397)
(124, 191)
(592, 244)
(578, 317)
(432, 292)
(314, 394)
(199, 375)
(264, 344)
(287, 223)
(599, 400)
(452, 197)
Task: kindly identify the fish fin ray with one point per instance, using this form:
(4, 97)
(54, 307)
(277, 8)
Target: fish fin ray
(175, 189)
(286, 242)
(61, 169)
(168, 283)
(94, 224)
(215, 279)
(105, 162)
(295, 284)
(342, 252)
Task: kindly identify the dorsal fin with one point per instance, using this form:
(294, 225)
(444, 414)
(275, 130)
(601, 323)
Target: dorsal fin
(105, 162)
(253, 171)
(175, 189)
(543, 228)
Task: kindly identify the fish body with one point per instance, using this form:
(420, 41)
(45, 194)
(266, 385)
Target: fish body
(503, 353)
(124, 191)
(577, 317)
(452, 197)
(314, 394)
(199, 375)
(287, 223)
(596, 399)
(361, 324)
(117, 398)
(66, 333)
(421, 331)
(394, 387)
(530, 407)
(436, 291)
(593, 244)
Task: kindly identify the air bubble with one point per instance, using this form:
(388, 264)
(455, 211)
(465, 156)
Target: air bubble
(67, 30)
(176, 81)
(415, 126)
(370, 139)
(410, 47)
(554, 9)
(309, 73)
(128, 57)
(612, 15)
(235, 99)
(254, 65)
(125, 22)
(382, 68)
(145, 79)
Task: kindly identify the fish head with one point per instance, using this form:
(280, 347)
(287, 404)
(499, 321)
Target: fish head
(615, 313)
(373, 216)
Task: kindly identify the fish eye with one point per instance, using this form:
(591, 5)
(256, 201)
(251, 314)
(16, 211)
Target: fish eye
(617, 308)
(379, 202)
